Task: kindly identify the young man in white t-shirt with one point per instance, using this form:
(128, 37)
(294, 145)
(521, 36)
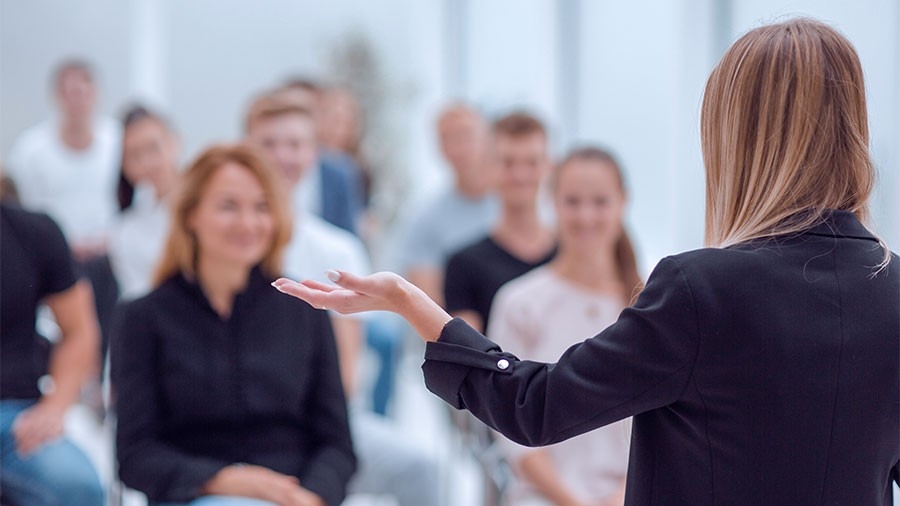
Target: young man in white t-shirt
(284, 130)
(67, 166)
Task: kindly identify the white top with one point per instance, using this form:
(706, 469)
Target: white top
(317, 246)
(306, 197)
(136, 242)
(537, 317)
(76, 188)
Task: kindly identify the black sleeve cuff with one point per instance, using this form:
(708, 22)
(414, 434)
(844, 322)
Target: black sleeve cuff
(459, 349)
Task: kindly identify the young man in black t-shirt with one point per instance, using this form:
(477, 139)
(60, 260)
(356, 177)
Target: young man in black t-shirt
(519, 241)
(37, 464)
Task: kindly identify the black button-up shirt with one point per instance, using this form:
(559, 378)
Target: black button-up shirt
(196, 393)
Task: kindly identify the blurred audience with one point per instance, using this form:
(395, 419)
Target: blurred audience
(541, 314)
(213, 411)
(40, 380)
(458, 215)
(274, 122)
(224, 387)
(149, 173)
(333, 187)
(66, 167)
(519, 241)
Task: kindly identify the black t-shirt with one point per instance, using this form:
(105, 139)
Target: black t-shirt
(475, 274)
(35, 261)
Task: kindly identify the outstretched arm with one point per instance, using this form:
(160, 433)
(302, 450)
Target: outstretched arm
(647, 357)
(383, 291)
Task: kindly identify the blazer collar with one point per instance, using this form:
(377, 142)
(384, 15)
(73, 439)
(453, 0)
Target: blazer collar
(838, 223)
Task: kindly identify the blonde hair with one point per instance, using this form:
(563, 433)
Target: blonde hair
(277, 103)
(181, 249)
(785, 134)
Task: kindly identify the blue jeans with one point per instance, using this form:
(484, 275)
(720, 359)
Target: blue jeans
(384, 335)
(218, 500)
(57, 474)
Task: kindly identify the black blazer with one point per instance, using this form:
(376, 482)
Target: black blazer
(196, 393)
(762, 374)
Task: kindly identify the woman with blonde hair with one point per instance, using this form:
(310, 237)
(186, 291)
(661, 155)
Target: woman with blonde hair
(763, 369)
(228, 394)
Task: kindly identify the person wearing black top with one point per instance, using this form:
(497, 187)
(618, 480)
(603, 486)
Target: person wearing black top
(223, 387)
(519, 241)
(764, 369)
(38, 465)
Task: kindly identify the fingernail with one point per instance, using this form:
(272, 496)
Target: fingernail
(334, 276)
(277, 287)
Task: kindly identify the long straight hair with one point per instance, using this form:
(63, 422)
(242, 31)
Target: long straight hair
(626, 260)
(181, 251)
(785, 134)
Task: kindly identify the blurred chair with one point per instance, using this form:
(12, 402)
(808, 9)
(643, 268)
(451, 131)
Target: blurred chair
(480, 441)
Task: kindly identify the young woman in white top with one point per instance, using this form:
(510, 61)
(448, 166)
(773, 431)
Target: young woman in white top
(544, 312)
(150, 154)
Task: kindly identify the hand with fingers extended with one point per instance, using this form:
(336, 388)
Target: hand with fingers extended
(261, 483)
(382, 291)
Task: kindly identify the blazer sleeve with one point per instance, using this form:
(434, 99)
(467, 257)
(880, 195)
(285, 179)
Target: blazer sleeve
(332, 463)
(146, 462)
(642, 362)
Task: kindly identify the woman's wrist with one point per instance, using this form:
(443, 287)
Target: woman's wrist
(424, 314)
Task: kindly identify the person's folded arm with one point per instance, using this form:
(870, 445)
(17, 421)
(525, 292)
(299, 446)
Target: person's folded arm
(641, 362)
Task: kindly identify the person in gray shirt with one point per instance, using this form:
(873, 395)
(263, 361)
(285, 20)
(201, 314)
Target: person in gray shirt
(457, 215)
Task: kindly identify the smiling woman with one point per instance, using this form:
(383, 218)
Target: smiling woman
(224, 390)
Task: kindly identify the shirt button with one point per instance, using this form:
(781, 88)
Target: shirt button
(502, 364)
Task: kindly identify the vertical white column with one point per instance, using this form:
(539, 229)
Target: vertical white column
(511, 47)
(568, 71)
(148, 50)
(455, 47)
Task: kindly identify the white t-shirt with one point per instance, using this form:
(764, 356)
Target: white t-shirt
(306, 197)
(538, 316)
(136, 242)
(317, 246)
(76, 188)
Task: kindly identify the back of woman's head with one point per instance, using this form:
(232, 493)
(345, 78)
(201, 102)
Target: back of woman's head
(182, 250)
(784, 133)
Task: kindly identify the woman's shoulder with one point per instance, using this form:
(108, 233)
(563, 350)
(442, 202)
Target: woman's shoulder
(717, 260)
(170, 291)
